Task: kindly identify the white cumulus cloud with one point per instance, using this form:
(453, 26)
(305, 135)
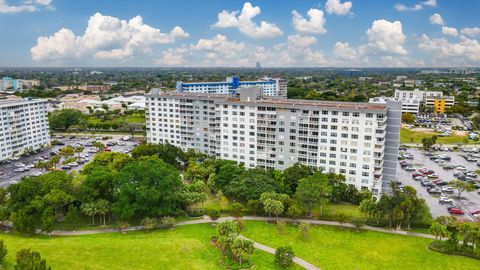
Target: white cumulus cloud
(464, 52)
(344, 51)
(402, 7)
(473, 31)
(387, 36)
(298, 41)
(336, 7)
(220, 51)
(243, 21)
(315, 24)
(105, 37)
(436, 19)
(417, 7)
(431, 3)
(451, 31)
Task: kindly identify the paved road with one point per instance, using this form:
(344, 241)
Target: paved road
(468, 201)
(11, 175)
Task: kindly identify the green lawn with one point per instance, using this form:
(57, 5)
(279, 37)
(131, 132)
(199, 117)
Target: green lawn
(409, 136)
(133, 118)
(332, 248)
(186, 247)
(350, 209)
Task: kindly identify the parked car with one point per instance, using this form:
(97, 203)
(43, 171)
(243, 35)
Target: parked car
(447, 189)
(409, 168)
(455, 211)
(443, 200)
(20, 169)
(475, 212)
(414, 175)
(434, 190)
(440, 183)
(13, 182)
(448, 167)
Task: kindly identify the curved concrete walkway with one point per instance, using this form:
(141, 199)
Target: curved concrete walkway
(252, 218)
(272, 251)
(259, 246)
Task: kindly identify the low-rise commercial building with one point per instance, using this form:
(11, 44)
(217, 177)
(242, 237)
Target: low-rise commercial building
(23, 126)
(359, 140)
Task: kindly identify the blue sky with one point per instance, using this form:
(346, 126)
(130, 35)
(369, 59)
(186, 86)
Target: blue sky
(353, 33)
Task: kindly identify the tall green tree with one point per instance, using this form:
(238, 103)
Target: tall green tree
(148, 187)
(311, 190)
(65, 118)
(293, 174)
(462, 186)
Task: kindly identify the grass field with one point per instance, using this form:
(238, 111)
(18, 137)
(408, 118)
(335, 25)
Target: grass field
(133, 118)
(410, 136)
(332, 248)
(350, 209)
(186, 247)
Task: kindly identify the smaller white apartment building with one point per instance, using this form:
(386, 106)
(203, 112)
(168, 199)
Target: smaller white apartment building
(23, 126)
(412, 99)
(270, 86)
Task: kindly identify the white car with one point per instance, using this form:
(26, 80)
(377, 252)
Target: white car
(19, 165)
(447, 189)
(443, 200)
(13, 182)
(21, 169)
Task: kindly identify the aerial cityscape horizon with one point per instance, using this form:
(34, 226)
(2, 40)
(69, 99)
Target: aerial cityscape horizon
(330, 33)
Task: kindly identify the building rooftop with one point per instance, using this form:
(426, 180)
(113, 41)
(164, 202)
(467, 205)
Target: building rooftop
(14, 101)
(272, 101)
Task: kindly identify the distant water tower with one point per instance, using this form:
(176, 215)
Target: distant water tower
(258, 66)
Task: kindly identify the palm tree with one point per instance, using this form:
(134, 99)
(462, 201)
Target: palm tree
(273, 207)
(242, 249)
(103, 208)
(438, 230)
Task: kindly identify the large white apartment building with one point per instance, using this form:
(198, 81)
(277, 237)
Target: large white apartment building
(359, 140)
(23, 126)
(270, 86)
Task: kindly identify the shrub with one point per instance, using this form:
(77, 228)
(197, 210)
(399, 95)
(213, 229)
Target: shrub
(149, 223)
(284, 256)
(214, 214)
(237, 209)
(167, 222)
(30, 260)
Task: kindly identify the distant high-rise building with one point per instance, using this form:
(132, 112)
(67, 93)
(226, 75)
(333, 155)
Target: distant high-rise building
(24, 126)
(258, 66)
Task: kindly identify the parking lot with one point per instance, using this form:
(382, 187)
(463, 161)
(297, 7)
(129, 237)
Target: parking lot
(468, 202)
(9, 174)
